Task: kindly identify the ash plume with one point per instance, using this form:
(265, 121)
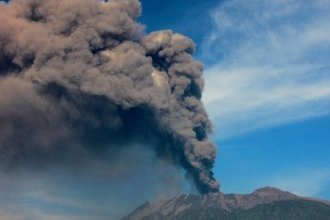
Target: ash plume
(79, 78)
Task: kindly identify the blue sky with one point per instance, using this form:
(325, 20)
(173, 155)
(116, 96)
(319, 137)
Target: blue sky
(267, 87)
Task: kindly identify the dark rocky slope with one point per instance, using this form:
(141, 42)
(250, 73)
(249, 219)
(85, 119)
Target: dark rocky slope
(266, 203)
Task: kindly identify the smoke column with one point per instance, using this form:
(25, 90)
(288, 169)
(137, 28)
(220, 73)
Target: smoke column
(80, 77)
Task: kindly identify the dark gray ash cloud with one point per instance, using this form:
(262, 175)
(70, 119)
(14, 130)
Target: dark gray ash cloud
(79, 78)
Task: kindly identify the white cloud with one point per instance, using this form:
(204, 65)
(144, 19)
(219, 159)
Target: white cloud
(304, 182)
(270, 64)
(21, 213)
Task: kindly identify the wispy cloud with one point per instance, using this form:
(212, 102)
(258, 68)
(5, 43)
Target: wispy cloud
(302, 182)
(270, 63)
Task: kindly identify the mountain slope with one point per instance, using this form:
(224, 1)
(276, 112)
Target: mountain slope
(266, 203)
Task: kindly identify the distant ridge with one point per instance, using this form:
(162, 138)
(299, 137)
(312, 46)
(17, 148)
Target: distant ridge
(266, 203)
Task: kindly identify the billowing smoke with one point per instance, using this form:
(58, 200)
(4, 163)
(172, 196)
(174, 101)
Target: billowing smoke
(79, 78)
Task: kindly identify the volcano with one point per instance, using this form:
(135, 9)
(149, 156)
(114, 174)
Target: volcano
(265, 203)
